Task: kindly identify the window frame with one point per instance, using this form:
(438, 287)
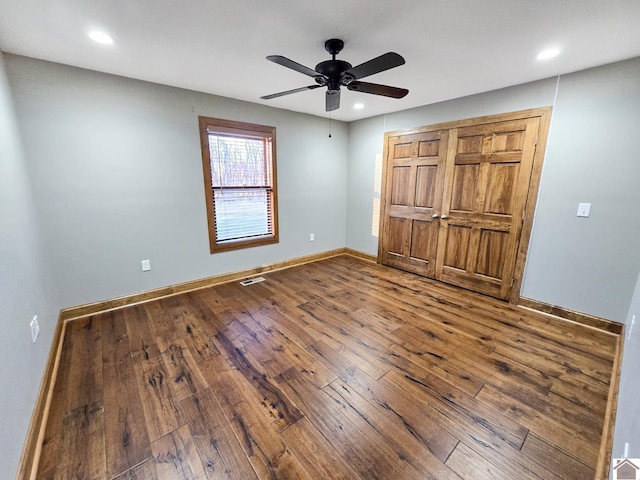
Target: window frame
(230, 127)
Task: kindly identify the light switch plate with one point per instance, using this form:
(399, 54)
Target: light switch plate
(146, 265)
(584, 209)
(35, 328)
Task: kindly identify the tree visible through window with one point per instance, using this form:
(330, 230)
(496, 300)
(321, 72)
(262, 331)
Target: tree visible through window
(239, 167)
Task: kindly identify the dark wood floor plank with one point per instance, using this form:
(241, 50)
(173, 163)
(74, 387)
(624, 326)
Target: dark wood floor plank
(486, 442)
(264, 325)
(408, 417)
(268, 358)
(292, 328)
(256, 421)
(446, 395)
(85, 373)
(573, 440)
(360, 444)
(364, 352)
(397, 353)
(390, 398)
(557, 408)
(487, 367)
(115, 342)
(339, 368)
(197, 325)
(142, 342)
(161, 408)
(144, 471)
(565, 466)
(471, 466)
(78, 449)
(581, 395)
(125, 430)
(317, 456)
(175, 456)
(77, 401)
(220, 451)
(160, 320)
(397, 433)
(184, 376)
(258, 386)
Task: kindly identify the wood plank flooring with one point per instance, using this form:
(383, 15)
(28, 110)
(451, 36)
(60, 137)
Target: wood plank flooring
(337, 369)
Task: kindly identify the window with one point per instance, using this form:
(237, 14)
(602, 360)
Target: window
(239, 166)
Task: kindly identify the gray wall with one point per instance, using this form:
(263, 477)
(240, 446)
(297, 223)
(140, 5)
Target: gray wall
(590, 265)
(116, 170)
(25, 290)
(628, 413)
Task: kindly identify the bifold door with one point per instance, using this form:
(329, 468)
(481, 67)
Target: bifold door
(455, 198)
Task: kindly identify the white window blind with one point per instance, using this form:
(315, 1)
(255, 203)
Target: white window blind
(242, 186)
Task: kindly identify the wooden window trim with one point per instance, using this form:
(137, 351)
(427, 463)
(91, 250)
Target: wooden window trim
(208, 125)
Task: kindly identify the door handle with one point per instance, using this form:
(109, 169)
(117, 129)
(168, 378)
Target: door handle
(444, 217)
(435, 215)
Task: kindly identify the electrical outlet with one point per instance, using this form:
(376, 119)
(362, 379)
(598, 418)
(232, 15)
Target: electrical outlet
(146, 265)
(35, 328)
(584, 209)
(312, 237)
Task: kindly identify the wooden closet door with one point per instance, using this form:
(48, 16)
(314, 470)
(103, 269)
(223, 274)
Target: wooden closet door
(413, 181)
(488, 171)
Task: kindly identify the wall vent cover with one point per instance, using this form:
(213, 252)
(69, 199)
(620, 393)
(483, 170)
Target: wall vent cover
(251, 281)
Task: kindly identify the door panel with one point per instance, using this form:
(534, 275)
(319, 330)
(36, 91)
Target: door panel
(458, 247)
(421, 237)
(499, 198)
(491, 253)
(400, 178)
(487, 181)
(395, 239)
(426, 186)
(414, 178)
(465, 186)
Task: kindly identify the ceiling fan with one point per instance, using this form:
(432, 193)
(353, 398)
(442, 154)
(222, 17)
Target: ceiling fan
(336, 73)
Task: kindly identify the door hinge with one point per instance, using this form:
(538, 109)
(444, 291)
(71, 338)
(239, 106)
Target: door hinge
(512, 282)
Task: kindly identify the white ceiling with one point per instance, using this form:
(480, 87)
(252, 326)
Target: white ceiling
(452, 48)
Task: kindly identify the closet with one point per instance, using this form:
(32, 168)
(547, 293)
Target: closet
(458, 199)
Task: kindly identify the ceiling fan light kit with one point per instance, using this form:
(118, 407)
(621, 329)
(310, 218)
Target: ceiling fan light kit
(334, 74)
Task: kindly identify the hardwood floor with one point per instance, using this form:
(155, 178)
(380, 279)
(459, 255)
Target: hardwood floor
(334, 369)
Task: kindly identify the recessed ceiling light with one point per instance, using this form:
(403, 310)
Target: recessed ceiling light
(358, 106)
(100, 37)
(548, 53)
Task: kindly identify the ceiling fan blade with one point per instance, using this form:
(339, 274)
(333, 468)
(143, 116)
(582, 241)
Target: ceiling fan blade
(332, 100)
(285, 62)
(375, 65)
(377, 89)
(288, 92)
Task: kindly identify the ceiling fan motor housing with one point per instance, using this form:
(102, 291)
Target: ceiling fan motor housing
(333, 70)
